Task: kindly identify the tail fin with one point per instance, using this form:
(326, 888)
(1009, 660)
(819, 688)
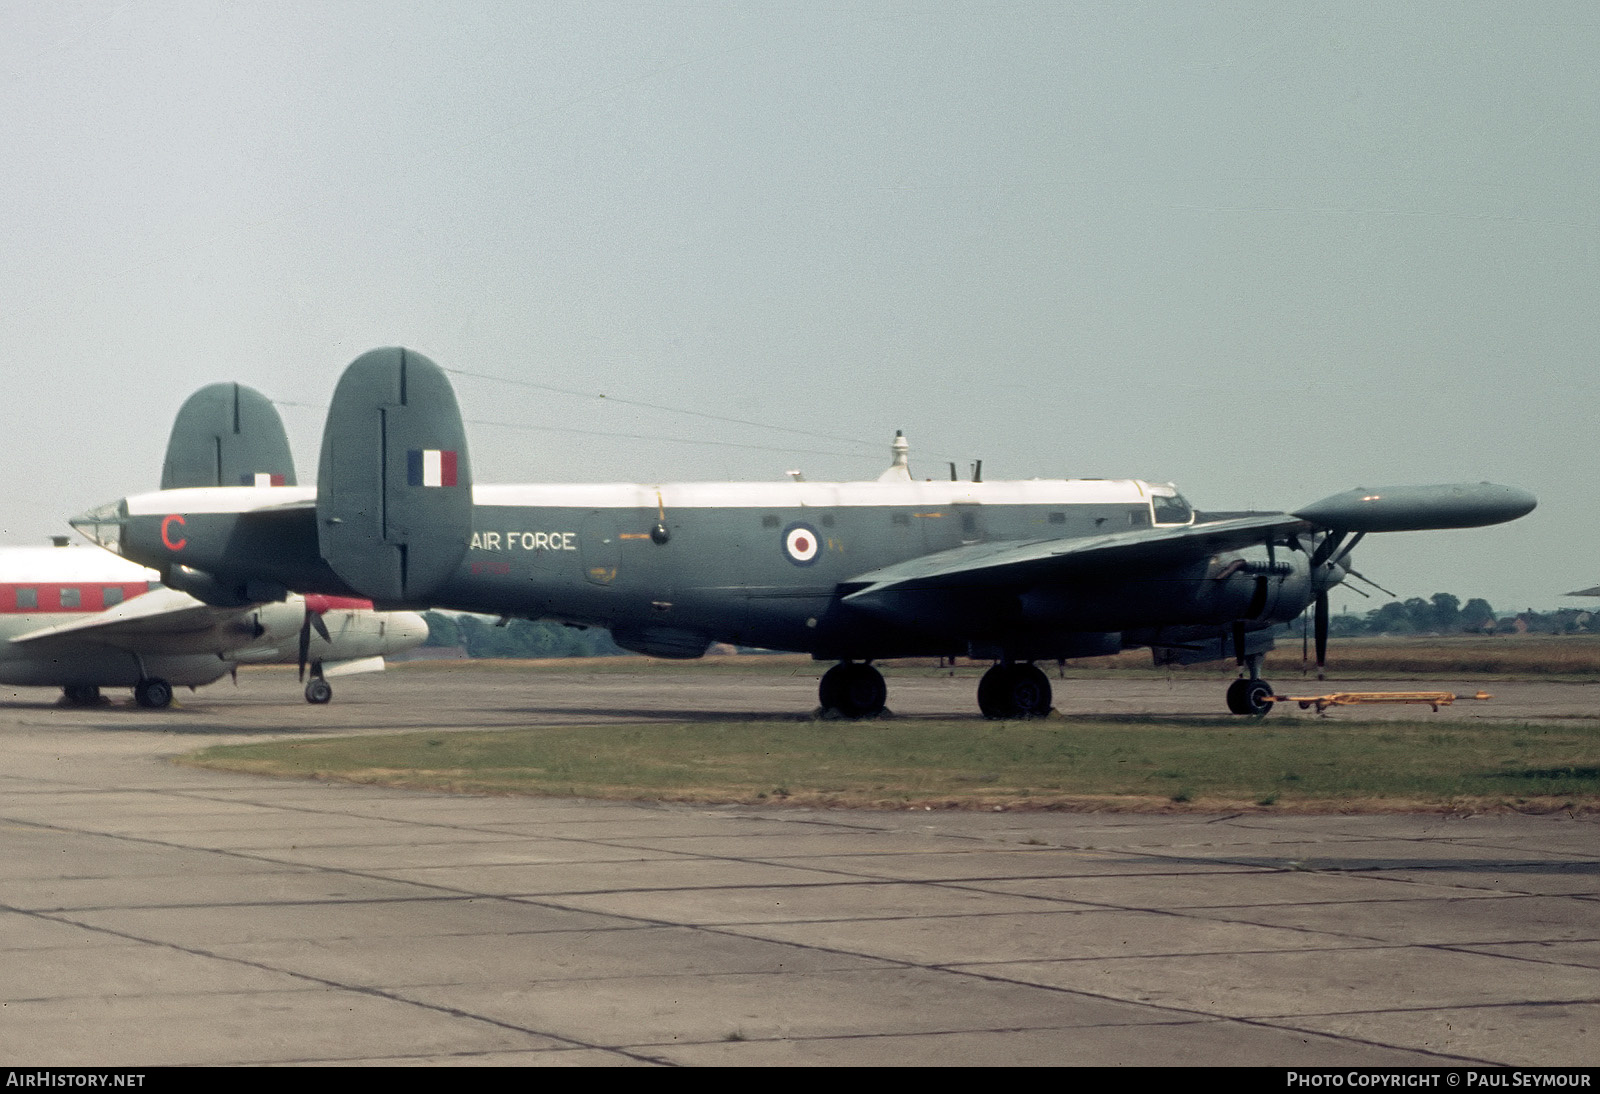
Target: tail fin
(227, 435)
(394, 488)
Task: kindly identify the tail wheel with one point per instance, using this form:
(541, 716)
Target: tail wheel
(853, 690)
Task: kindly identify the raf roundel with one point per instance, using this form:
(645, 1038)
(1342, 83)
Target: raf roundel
(801, 544)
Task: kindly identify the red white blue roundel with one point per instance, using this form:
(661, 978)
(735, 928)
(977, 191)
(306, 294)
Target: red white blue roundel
(801, 544)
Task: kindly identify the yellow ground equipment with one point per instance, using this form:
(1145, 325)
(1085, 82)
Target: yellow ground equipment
(1434, 699)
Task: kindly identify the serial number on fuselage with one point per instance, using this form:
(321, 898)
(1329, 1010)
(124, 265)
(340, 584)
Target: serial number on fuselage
(524, 541)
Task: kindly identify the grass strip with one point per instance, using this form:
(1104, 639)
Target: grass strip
(1134, 764)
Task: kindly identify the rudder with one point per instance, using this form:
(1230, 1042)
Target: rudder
(227, 435)
(394, 486)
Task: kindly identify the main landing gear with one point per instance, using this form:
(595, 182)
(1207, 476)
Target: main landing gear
(853, 690)
(153, 693)
(1013, 690)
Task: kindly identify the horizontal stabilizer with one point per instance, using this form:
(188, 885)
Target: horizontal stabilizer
(1417, 508)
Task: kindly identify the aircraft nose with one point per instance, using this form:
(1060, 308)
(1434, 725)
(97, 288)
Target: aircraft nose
(103, 524)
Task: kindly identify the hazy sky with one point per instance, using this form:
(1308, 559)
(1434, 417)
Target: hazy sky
(1266, 251)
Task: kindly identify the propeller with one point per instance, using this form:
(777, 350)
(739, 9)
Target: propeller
(1330, 565)
(1320, 626)
(315, 606)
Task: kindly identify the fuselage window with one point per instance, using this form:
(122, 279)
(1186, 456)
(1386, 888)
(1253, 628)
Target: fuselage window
(1173, 510)
(827, 520)
(27, 599)
(71, 597)
(769, 521)
(1058, 518)
(902, 518)
(112, 595)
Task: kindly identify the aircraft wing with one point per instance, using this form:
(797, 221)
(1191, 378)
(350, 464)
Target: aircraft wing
(144, 621)
(1014, 563)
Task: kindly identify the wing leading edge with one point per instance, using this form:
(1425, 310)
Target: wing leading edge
(147, 622)
(1013, 564)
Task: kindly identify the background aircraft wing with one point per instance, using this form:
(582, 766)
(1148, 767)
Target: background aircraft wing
(1014, 563)
(145, 621)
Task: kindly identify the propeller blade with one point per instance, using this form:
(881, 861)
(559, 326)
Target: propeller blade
(322, 628)
(1322, 633)
(305, 643)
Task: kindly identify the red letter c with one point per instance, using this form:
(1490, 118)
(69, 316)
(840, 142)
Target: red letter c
(166, 532)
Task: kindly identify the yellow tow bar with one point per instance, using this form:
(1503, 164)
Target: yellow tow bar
(1434, 699)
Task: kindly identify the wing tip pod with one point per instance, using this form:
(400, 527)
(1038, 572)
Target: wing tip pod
(1419, 508)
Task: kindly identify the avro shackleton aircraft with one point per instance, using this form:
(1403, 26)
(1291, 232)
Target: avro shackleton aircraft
(80, 620)
(1012, 572)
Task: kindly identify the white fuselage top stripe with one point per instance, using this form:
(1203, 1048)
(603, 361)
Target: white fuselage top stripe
(695, 495)
(69, 565)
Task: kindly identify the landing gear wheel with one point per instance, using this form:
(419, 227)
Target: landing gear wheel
(81, 695)
(1014, 691)
(153, 693)
(1250, 697)
(318, 690)
(853, 690)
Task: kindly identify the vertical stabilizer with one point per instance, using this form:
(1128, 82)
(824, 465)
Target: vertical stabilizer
(394, 488)
(227, 435)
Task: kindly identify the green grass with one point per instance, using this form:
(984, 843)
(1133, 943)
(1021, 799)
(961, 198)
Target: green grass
(1062, 763)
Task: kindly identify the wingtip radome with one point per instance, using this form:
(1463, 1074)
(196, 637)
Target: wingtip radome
(1418, 508)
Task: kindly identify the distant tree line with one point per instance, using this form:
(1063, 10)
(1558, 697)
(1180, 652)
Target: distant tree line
(1444, 614)
(520, 638)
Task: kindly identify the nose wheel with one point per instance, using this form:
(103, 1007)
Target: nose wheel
(853, 690)
(1011, 690)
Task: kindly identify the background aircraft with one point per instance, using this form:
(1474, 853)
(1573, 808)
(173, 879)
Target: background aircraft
(80, 619)
(1013, 572)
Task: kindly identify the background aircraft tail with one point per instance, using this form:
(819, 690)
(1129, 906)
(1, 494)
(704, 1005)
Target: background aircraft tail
(227, 435)
(394, 486)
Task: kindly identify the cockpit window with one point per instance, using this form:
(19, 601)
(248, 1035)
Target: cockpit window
(103, 524)
(1171, 510)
